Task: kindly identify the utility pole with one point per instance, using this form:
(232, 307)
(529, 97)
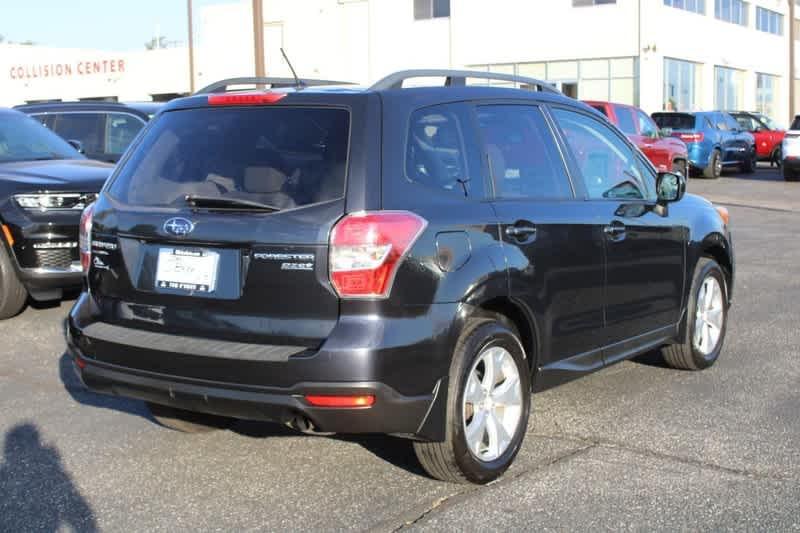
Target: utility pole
(258, 36)
(792, 38)
(191, 46)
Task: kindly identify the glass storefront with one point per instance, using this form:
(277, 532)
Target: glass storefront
(680, 85)
(611, 79)
(728, 88)
(766, 86)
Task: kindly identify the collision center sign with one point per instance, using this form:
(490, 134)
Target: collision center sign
(66, 70)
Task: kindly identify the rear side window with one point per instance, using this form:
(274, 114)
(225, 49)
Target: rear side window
(440, 148)
(281, 156)
(674, 121)
(625, 120)
(647, 127)
(608, 165)
(523, 157)
(88, 128)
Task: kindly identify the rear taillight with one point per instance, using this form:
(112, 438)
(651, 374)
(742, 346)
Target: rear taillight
(85, 238)
(367, 249)
(691, 137)
(258, 98)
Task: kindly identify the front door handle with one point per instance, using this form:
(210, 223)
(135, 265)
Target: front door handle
(521, 232)
(615, 231)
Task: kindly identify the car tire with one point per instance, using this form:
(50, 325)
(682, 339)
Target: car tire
(187, 421)
(749, 165)
(775, 157)
(679, 166)
(13, 294)
(707, 320)
(473, 451)
(789, 175)
(714, 168)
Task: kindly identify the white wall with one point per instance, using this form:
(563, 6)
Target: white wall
(41, 73)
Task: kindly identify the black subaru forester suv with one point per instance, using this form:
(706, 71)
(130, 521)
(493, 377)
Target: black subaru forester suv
(409, 261)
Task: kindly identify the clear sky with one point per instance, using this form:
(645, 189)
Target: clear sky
(102, 24)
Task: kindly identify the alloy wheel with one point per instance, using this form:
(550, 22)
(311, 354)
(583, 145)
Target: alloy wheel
(492, 405)
(709, 317)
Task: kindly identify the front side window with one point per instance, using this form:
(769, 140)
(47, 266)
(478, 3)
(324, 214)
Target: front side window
(625, 120)
(88, 128)
(227, 154)
(524, 159)
(23, 138)
(431, 9)
(647, 127)
(607, 164)
(733, 11)
(121, 129)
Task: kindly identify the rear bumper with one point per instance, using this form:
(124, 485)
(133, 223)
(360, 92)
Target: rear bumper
(402, 361)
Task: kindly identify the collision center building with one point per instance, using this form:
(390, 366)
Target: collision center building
(658, 54)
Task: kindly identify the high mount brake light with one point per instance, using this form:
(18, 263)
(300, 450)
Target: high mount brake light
(85, 238)
(366, 250)
(245, 98)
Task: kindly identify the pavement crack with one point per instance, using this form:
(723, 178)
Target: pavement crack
(506, 479)
(610, 444)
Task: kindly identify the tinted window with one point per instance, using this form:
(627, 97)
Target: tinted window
(88, 128)
(23, 138)
(746, 122)
(523, 157)
(282, 156)
(625, 120)
(731, 122)
(795, 123)
(647, 127)
(607, 163)
(120, 131)
(674, 121)
(600, 108)
(436, 153)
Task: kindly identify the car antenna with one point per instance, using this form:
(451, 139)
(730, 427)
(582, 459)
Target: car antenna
(297, 82)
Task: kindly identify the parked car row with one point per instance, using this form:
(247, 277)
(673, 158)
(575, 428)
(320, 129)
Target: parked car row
(405, 261)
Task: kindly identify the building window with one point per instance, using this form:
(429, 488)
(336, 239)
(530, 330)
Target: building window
(695, 6)
(431, 9)
(734, 11)
(769, 21)
(728, 88)
(680, 85)
(765, 94)
(580, 3)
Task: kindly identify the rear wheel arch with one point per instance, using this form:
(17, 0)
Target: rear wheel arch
(515, 315)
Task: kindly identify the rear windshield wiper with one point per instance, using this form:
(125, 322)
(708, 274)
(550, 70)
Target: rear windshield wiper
(197, 200)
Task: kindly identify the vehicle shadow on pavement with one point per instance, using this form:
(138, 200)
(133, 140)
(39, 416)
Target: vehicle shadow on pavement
(393, 450)
(36, 493)
(651, 358)
(84, 396)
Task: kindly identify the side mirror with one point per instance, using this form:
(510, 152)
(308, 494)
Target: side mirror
(77, 145)
(671, 187)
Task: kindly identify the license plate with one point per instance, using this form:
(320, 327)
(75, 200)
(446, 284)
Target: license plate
(187, 270)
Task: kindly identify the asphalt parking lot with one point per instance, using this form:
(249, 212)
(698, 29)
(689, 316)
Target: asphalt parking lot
(634, 447)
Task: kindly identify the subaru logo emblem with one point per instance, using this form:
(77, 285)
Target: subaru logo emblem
(178, 226)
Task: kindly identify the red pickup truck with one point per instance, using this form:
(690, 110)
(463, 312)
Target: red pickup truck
(666, 153)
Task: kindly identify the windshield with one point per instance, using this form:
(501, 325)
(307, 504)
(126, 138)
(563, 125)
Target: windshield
(674, 121)
(24, 139)
(282, 157)
(768, 122)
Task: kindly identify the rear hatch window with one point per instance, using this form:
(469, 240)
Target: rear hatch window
(284, 157)
(674, 121)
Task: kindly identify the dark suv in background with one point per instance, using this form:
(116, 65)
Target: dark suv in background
(103, 129)
(44, 186)
(409, 261)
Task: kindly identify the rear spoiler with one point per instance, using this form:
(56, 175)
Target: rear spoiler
(225, 85)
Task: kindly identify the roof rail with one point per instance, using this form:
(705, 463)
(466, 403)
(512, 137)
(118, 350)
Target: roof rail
(457, 78)
(222, 85)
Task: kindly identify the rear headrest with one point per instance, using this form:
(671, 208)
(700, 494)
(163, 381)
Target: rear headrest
(263, 180)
